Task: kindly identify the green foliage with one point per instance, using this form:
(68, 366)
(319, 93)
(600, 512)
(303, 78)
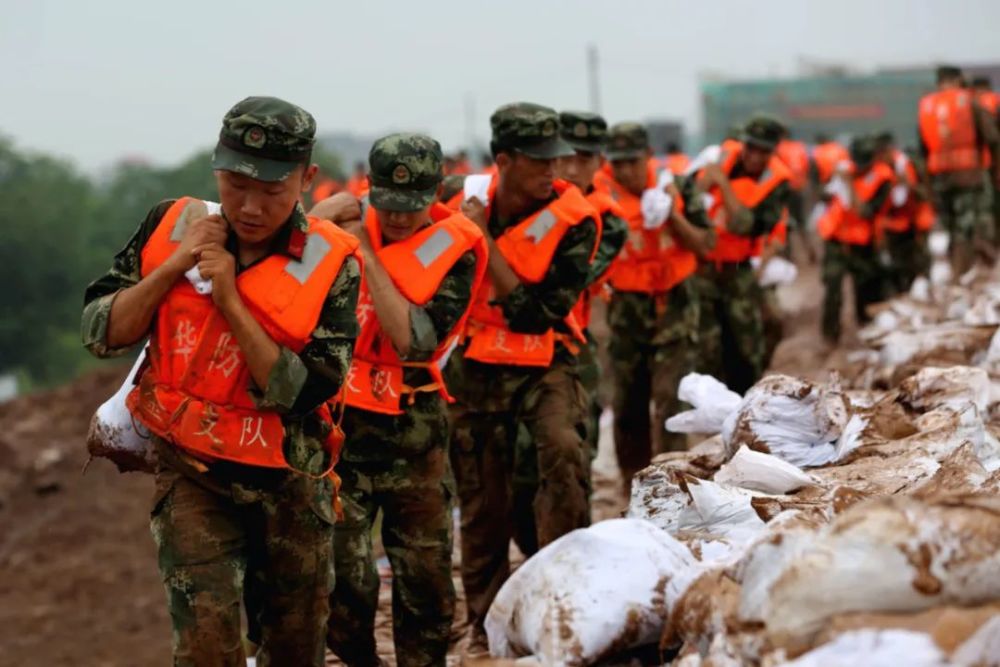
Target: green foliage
(58, 231)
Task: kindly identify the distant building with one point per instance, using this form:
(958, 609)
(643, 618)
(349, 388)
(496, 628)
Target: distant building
(839, 104)
(663, 132)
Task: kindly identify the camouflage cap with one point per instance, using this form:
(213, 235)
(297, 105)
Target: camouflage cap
(583, 131)
(763, 131)
(405, 172)
(530, 129)
(863, 149)
(264, 138)
(627, 141)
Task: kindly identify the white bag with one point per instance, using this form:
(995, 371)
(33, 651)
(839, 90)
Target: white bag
(599, 589)
(113, 433)
(712, 400)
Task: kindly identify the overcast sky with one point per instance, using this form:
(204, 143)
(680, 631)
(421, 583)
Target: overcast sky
(98, 80)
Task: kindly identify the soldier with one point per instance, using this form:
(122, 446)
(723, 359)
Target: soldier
(653, 312)
(910, 217)
(747, 191)
(235, 393)
(958, 138)
(849, 229)
(423, 263)
(587, 134)
(518, 363)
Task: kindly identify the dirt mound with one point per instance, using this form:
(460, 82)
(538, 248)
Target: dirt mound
(77, 563)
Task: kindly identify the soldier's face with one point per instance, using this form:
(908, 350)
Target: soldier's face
(579, 169)
(755, 159)
(399, 225)
(256, 210)
(528, 175)
(631, 174)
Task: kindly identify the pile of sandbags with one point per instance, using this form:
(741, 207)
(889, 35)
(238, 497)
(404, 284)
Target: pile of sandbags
(817, 526)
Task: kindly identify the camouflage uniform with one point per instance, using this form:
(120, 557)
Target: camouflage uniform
(732, 334)
(860, 262)
(493, 400)
(651, 348)
(216, 524)
(586, 132)
(399, 464)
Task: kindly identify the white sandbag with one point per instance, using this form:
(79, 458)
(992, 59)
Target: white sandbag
(937, 243)
(893, 554)
(799, 422)
(112, 432)
(954, 388)
(777, 271)
(591, 593)
(655, 205)
(920, 290)
(875, 648)
(477, 186)
(712, 400)
(762, 472)
(982, 648)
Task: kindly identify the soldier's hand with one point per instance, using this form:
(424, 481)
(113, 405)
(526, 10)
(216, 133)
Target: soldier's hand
(474, 210)
(356, 229)
(210, 229)
(215, 263)
(341, 208)
(712, 175)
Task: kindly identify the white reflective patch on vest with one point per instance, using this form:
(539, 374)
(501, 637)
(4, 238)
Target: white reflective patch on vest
(194, 209)
(316, 249)
(431, 249)
(542, 225)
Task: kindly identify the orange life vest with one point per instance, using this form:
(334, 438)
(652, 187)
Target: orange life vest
(677, 162)
(900, 219)
(652, 261)
(990, 101)
(826, 157)
(195, 392)
(529, 248)
(796, 157)
(605, 205)
(948, 129)
(731, 247)
(417, 266)
(840, 223)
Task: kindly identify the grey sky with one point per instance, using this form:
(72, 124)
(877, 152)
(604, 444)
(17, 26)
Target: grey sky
(98, 80)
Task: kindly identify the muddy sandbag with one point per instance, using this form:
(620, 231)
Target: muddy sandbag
(592, 593)
(803, 423)
(893, 554)
(713, 402)
(113, 434)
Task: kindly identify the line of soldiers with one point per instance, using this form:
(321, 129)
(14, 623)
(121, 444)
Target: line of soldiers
(397, 352)
(882, 202)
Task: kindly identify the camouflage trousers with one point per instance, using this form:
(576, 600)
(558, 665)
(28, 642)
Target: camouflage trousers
(590, 378)
(908, 258)
(210, 532)
(485, 455)
(414, 490)
(967, 214)
(731, 333)
(862, 264)
(652, 346)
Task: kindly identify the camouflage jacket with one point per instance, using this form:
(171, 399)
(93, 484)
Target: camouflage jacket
(298, 383)
(614, 233)
(533, 308)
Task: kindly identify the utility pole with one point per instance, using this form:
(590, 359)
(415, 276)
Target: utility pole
(595, 86)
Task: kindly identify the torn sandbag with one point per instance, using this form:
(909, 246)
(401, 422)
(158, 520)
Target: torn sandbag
(713, 402)
(590, 594)
(893, 554)
(113, 433)
(797, 421)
